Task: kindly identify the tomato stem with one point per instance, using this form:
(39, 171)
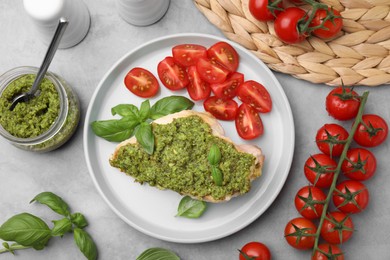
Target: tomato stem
(343, 156)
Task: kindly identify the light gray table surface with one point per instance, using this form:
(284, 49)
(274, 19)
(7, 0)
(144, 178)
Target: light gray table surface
(64, 171)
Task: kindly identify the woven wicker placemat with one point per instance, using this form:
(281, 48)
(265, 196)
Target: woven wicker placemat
(360, 55)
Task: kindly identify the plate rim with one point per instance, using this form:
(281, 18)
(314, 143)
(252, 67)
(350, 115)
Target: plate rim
(213, 237)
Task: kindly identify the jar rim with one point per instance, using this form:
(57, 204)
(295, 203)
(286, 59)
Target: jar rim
(15, 73)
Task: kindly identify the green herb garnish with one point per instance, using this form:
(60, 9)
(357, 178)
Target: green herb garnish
(191, 208)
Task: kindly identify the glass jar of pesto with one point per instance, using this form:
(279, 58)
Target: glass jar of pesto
(43, 123)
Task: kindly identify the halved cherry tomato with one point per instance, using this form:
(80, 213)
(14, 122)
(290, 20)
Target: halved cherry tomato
(141, 82)
(331, 27)
(255, 251)
(197, 88)
(248, 122)
(299, 233)
(228, 88)
(309, 201)
(171, 74)
(287, 25)
(188, 54)
(224, 54)
(351, 196)
(264, 10)
(256, 95)
(372, 131)
(360, 164)
(223, 109)
(211, 71)
(337, 227)
(342, 103)
(328, 251)
(319, 170)
(331, 139)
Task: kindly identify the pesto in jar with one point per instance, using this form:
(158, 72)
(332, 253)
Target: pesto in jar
(180, 162)
(34, 117)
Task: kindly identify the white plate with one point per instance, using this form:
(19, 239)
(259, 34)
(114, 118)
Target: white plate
(151, 210)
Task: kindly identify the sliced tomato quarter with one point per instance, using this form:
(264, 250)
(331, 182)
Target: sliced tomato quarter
(256, 95)
(198, 89)
(188, 54)
(171, 74)
(228, 88)
(223, 109)
(224, 54)
(248, 122)
(141, 82)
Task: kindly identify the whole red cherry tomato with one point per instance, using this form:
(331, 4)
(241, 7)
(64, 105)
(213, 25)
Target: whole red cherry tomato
(328, 251)
(351, 196)
(255, 251)
(265, 10)
(298, 233)
(343, 103)
(309, 201)
(332, 25)
(319, 170)
(287, 25)
(337, 227)
(331, 139)
(372, 131)
(360, 164)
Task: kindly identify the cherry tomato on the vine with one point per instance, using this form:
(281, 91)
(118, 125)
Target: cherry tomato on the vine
(319, 170)
(372, 131)
(342, 103)
(255, 251)
(223, 109)
(299, 233)
(309, 201)
(287, 25)
(256, 95)
(331, 139)
(171, 74)
(248, 122)
(141, 82)
(351, 196)
(328, 251)
(224, 54)
(360, 164)
(332, 25)
(337, 227)
(265, 10)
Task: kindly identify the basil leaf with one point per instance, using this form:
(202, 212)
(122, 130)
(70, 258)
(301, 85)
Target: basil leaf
(191, 208)
(157, 254)
(126, 110)
(214, 156)
(79, 220)
(53, 201)
(145, 137)
(115, 130)
(61, 227)
(26, 230)
(170, 105)
(144, 110)
(217, 175)
(85, 243)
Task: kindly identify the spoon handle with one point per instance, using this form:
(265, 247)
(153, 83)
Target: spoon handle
(63, 23)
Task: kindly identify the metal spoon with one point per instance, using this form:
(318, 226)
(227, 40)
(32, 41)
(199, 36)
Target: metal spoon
(63, 23)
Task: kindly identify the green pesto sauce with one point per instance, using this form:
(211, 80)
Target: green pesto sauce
(180, 163)
(32, 118)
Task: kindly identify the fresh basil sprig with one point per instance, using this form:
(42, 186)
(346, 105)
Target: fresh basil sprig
(157, 253)
(191, 208)
(214, 158)
(29, 231)
(133, 121)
